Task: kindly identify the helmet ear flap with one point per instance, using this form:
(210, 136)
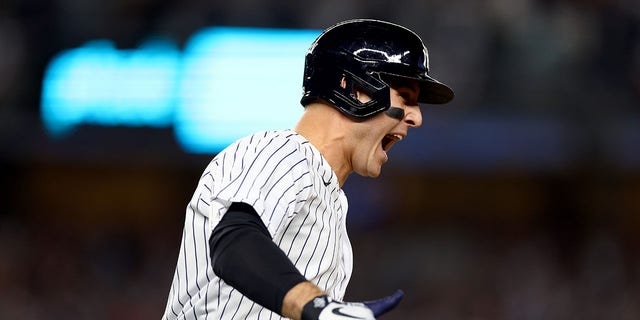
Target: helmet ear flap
(372, 86)
(338, 87)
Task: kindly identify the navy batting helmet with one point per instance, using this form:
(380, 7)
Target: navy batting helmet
(363, 52)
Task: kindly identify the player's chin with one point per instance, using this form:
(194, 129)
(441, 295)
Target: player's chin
(375, 167)
(375, 175)
(372, 166)
(374, 170)
(370, 171)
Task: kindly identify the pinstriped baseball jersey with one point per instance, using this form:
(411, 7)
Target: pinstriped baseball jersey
(298, 197)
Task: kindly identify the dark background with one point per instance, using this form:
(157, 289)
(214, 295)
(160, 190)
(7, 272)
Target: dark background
(519, 200)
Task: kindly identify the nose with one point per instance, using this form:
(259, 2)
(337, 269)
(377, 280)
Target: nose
(413, 116)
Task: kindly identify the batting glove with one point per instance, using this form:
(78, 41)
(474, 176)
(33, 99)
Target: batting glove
(325, 308)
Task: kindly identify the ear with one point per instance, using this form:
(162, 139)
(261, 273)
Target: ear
(357, 93)
(361, 96)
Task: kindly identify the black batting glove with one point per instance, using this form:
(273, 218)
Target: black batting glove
(325, 308)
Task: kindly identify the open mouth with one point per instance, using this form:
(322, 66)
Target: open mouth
(389, 140)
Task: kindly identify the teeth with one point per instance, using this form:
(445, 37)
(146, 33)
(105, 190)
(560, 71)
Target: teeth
(389, 140)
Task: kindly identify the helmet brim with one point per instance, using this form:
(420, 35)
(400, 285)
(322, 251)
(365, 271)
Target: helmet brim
(433, 91)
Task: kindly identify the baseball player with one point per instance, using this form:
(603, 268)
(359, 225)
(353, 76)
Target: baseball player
(265, 235)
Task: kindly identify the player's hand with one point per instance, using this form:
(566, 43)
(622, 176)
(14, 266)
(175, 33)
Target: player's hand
(325, 308)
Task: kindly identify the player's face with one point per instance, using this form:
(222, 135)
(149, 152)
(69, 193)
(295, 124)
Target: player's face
(376, 136)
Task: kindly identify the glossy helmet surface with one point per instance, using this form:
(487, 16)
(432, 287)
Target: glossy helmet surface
(362, 52)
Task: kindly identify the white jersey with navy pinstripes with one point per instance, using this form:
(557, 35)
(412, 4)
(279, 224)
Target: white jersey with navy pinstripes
(296, 194)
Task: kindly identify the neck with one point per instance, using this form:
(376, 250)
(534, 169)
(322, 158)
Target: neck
(325, 128)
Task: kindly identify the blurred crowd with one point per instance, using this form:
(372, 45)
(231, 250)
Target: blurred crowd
(577, 61)
(455, 274)
(447, 273)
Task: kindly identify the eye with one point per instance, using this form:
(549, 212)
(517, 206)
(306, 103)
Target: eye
(408, 95)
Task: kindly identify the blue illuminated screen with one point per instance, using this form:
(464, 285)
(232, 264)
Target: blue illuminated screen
(225, 84)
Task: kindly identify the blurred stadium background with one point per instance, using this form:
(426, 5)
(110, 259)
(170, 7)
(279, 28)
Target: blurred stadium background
(520, 200)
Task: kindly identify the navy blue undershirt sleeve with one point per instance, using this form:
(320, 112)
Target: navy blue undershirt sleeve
(245, 257)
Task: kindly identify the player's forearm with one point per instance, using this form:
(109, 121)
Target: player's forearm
(297, 297)
(245, 257)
